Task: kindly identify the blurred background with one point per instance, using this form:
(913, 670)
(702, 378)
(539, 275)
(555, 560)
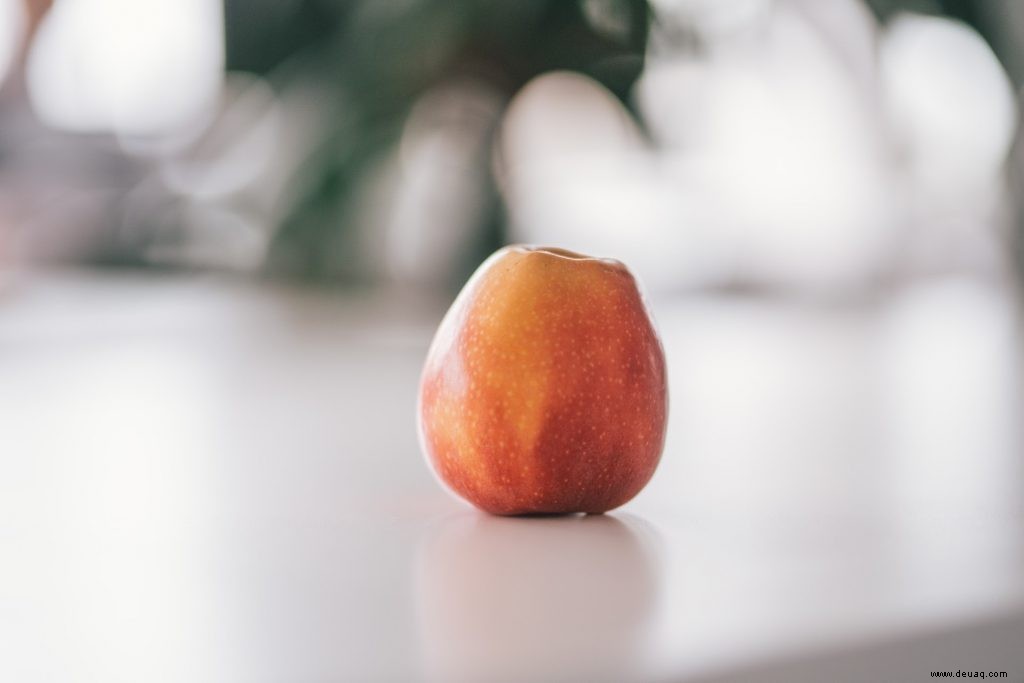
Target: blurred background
(817, 147)
(229, 229)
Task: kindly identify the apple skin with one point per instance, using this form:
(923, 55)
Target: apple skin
(544, 390)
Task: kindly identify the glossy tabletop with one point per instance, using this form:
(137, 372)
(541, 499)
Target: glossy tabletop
(204, 480)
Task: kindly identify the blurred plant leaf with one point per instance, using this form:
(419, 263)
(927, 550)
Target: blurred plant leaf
(381, 57)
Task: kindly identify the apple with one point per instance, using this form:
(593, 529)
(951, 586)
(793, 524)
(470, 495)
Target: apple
(544, 389)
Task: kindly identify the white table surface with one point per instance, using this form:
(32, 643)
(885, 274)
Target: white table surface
(208, 481)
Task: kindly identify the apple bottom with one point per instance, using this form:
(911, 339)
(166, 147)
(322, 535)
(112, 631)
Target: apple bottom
(566, 475)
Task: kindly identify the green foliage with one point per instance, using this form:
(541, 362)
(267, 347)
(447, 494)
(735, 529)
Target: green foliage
(380, 56)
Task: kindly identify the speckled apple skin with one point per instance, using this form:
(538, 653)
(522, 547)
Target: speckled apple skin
(544, 390)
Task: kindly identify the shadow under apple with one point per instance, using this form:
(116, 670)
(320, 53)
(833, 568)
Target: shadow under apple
(535, 599)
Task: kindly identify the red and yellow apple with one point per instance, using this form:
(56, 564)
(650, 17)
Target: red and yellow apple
(544, 389)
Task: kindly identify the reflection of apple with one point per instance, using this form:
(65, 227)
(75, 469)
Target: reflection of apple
(544, 390)
(552, 599)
